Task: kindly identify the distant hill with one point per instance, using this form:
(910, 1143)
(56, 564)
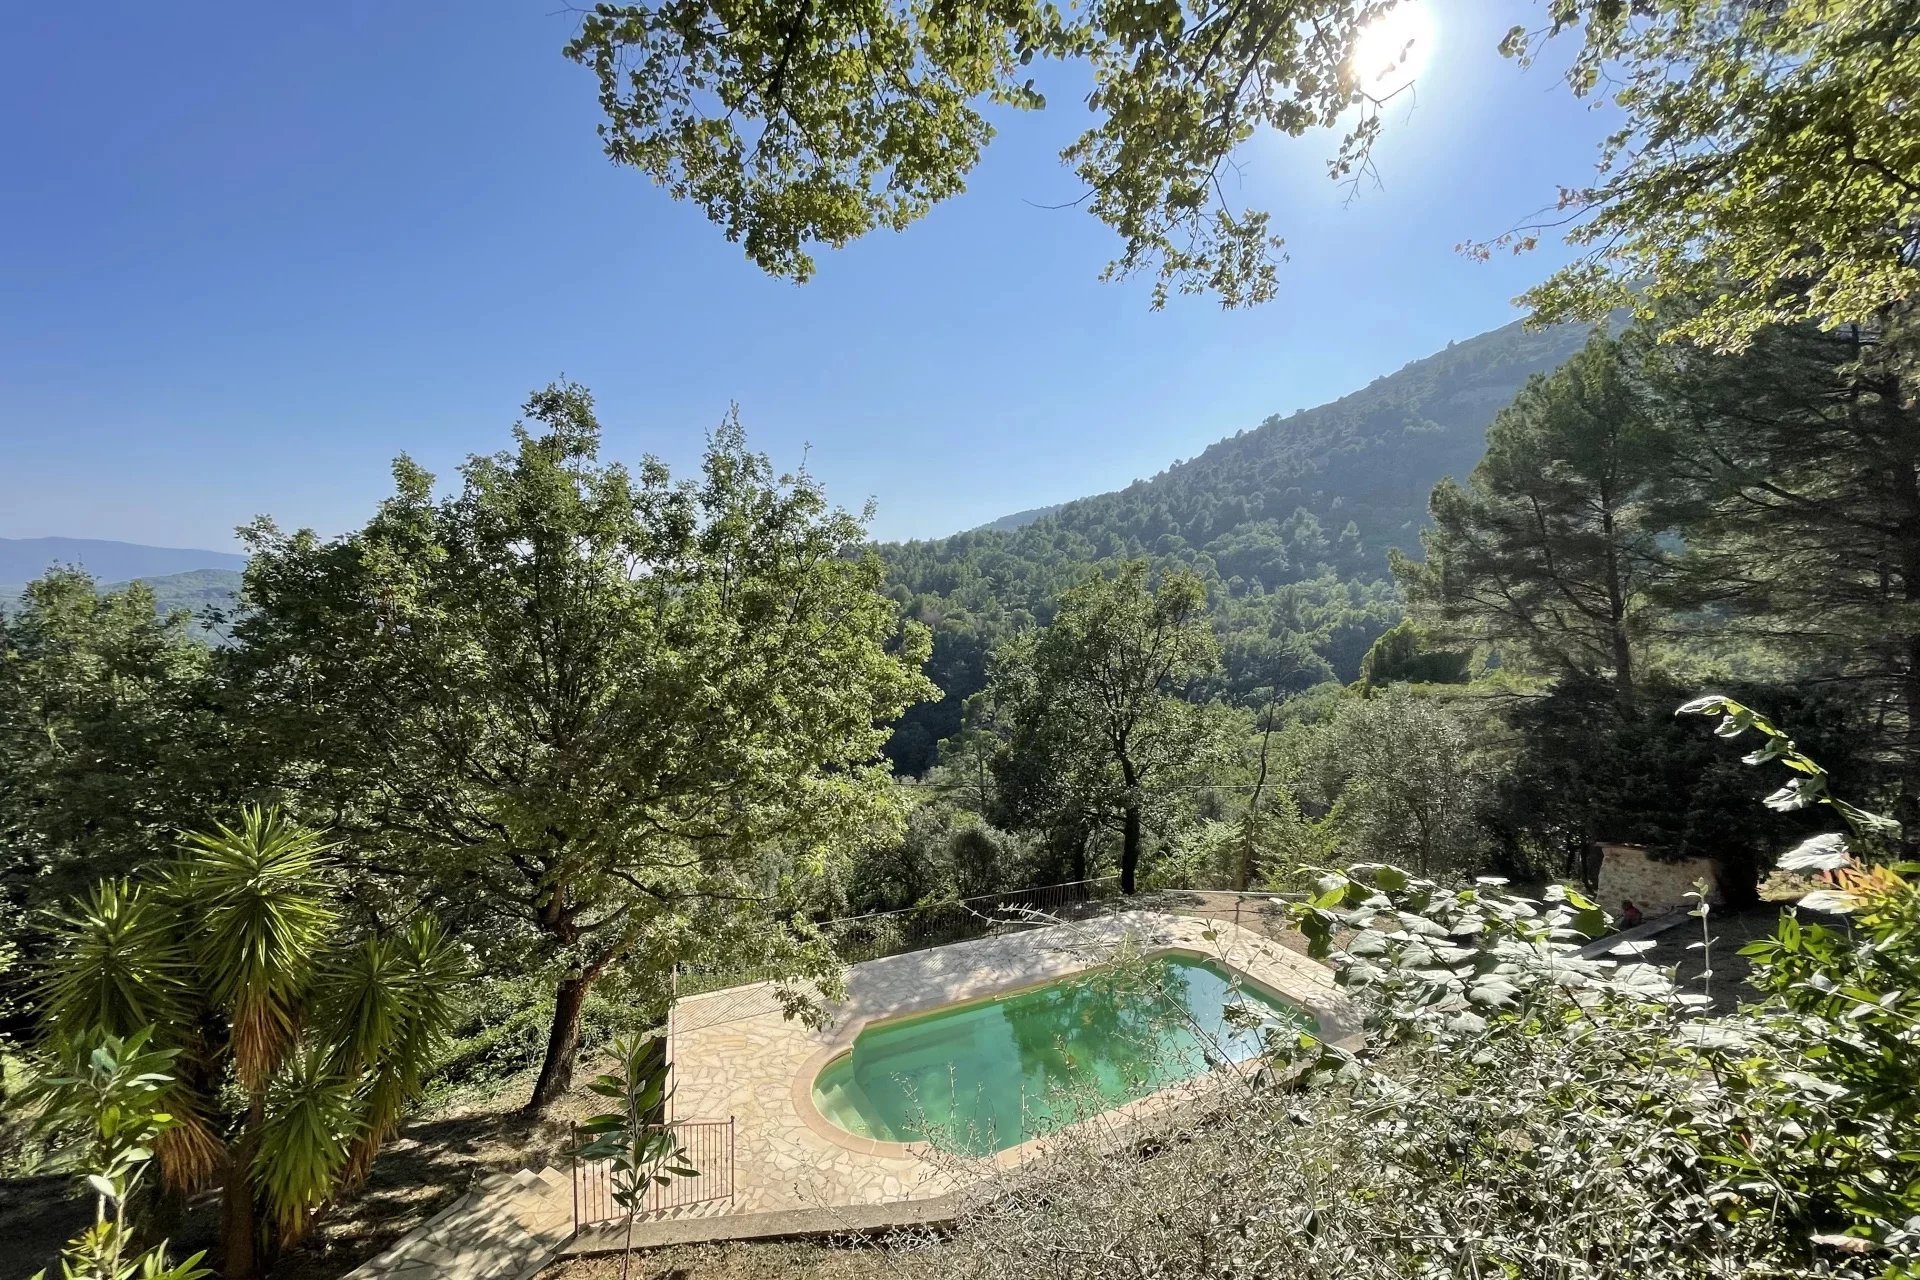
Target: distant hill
(1325, 488)
(181, 578)
(1018, 520)
(24, 559)
(197, 591)
(1289, 522)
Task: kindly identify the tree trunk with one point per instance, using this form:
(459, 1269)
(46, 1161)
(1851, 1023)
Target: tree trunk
(1129, 819)
(563, 1041)
(1906, 807)
(1130, 843)
(166, 1216)
(1617, 615)
(1623, 665)
(239, 1229)
(1244, 873)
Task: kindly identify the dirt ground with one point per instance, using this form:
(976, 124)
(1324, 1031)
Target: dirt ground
(762, 1261)
(37, 1216)
(436, 1158)
(1729, 930)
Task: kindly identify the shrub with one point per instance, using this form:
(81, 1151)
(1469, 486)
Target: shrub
(1521, 1111)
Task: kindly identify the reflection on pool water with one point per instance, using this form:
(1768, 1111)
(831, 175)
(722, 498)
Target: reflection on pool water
(985, 1076)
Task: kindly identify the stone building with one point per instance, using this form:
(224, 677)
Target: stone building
(1629, 872)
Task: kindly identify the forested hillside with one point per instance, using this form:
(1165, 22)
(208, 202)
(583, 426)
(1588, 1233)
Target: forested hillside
(181, 577)
(1288, 524)
(196, 592)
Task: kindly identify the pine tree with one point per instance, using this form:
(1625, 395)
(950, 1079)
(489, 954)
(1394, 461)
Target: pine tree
(1551, 549)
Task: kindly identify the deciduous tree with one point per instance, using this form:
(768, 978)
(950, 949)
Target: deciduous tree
(1406, 653)
(111, 736)
(1767, 163)
(1106, 682)
(1756, 139)
(814, 123)
(625, 714)
(1402, 779)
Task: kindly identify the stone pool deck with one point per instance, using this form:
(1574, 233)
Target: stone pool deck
(736, 1054)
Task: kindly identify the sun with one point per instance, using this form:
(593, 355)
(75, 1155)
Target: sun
(1393, 48)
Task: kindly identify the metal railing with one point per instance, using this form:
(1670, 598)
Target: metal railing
(706, 1146)
(930, 924)
(938, 924)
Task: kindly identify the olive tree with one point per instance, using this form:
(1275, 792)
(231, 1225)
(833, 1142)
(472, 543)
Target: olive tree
(1400, 779)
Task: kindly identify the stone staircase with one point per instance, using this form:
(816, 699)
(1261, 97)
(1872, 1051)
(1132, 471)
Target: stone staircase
(507, 1228)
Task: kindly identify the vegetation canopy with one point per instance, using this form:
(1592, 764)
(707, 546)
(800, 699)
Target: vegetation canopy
(1762, 144)
(591, 710)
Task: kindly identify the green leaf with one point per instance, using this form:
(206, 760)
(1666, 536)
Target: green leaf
(1330, 891)
(1819, 853)
(1706, 705)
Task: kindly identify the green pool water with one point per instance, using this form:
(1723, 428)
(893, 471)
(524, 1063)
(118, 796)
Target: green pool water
(985, 1076)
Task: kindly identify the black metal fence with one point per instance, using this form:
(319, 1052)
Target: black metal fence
(706, 1146)
(932, 924)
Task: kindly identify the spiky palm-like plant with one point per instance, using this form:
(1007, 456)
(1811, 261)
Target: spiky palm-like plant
(299, 1045)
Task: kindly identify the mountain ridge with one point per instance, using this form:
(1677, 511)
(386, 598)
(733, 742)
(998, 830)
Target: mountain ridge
(1288, 523)
(1018, 520)
(24, 559)
(1325, 489)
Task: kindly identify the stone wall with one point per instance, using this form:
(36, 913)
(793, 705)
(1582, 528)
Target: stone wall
(1627, 872)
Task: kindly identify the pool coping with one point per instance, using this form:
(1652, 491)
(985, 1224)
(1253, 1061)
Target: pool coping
(1329, 1027)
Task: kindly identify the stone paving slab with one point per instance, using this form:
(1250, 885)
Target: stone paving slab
(1618, 945)
(506, 1227)
(758, 1067)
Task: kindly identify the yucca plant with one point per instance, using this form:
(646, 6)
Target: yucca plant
(299, 1045)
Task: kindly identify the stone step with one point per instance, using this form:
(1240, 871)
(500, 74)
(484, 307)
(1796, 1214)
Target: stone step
(507, 1228)
(472, 1217)
(538, 1215)
(459, 1205)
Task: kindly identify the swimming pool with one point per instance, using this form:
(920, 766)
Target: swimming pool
(988, 1075)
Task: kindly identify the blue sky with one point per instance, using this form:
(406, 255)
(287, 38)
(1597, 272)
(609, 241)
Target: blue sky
(251, 252)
